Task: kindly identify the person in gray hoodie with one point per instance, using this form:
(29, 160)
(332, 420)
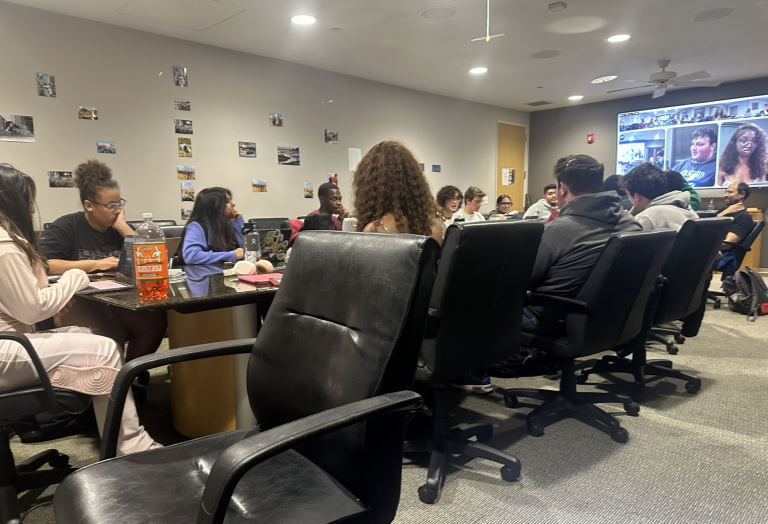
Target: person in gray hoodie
(571, 244)
(646, 186)
(543, 208)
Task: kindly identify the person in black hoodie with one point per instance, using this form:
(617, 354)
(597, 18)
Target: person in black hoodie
(571, 244)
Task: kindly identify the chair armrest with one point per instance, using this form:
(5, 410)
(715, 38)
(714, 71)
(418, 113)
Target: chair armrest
(543, 298)
(133, 368)
(239, 458)
(50, 400)
(736, 246)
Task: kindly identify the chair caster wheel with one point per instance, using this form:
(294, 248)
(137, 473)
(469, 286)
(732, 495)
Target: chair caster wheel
(716, 305)
(680, 339)
(621, 435)
(582, 379)
(632, 409)
(428, 496)
(692, 387)
(143, 378)
(510, 473)
(510, 401)
(59, 462)
(672, 349)
(535, 430)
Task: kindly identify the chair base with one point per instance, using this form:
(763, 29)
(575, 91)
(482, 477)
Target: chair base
(445, 441)
(657, 334)
(568, 403)
(642, 371)
(15, 479)
(714, 297)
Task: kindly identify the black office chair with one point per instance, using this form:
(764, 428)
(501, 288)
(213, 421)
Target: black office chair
(685, 273)
(158, 222)
(172, 231)
(487, 263)
(599, 318)
(706, 214)
(270, 223)
(326, 382)
(301, 217)
(18, 408)
(741, 251)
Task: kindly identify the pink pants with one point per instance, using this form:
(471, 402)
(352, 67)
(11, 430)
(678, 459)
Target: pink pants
(78, 360)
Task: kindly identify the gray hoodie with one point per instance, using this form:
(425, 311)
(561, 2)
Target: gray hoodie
(540, 210)
(571, 245)
(668, 211)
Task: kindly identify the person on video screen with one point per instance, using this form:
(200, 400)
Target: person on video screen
(743, 159)
(699, 170)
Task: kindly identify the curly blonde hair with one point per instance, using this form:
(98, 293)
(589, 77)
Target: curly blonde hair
(388, 180)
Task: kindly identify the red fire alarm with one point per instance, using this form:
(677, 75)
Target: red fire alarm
(591, 138)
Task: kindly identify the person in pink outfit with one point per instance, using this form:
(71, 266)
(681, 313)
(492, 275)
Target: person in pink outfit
(73, 357)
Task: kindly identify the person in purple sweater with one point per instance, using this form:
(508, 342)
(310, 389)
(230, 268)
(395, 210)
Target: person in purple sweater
(214, 232)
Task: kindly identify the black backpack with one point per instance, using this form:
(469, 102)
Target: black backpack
(746, 292)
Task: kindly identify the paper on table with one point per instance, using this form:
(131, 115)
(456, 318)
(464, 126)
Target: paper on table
(106, 285)
(354, 157)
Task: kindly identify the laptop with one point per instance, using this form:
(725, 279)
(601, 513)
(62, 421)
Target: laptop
(124, 272)
(274, 245)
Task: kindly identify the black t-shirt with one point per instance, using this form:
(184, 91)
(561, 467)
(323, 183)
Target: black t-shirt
(742, 223)
(72, 238)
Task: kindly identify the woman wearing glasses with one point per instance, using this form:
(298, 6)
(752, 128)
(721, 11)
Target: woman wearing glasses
(91, 240)
(743, 159)
(503, 207)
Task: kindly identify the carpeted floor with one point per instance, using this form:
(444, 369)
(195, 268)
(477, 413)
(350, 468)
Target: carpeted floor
(690, 458)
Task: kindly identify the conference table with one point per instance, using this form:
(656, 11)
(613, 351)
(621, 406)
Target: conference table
(208, 396)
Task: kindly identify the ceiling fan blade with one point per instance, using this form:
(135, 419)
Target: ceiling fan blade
(478, 39)
(659, 91)
(698, 75)
(698, 83)
(495, 36)
(629, 88)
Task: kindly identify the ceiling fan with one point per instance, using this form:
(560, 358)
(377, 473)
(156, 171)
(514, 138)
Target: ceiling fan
(664, 79)
(488, 34)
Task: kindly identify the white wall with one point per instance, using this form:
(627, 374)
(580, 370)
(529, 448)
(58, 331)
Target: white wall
(116, 70)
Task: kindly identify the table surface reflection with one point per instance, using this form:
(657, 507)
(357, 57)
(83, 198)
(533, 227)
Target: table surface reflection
(203, 288)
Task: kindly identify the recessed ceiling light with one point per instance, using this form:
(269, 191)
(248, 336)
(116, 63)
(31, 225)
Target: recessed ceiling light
(548, 53)
(712, 15)
(618, 38)
(478, 70)
(438, 12)
(303, 20)
(575, 97)
(604, 79)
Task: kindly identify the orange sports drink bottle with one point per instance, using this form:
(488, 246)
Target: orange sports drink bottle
(150, 257)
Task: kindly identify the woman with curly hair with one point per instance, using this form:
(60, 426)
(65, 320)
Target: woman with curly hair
(91, 240)
(392, 195)
(448, 201)
(743, 159)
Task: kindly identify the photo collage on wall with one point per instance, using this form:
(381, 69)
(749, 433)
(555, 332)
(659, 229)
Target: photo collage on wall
(711, 145)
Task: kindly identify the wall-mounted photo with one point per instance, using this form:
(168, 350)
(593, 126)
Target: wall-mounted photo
(185, 147)
(186, 213)
(276, 119)
(436, 168)
(181, 104)
(17, 128)
(259, 186)
(309, 191)
(331, 137)
(46, 85)
(183, 127)
(87, 113)
(185, 172)
(247, 149)
(333, 178)
(187, 191)
(180, 76)
(421, 166)
(288, 156)
(60, 179)
(106, 146)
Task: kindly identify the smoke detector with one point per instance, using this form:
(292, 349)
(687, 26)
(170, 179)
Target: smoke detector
(557, 6)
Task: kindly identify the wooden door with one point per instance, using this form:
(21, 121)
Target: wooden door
(510, 164)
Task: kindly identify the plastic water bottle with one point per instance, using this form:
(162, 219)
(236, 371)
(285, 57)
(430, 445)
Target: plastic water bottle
(711, 206)
(150, 256)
